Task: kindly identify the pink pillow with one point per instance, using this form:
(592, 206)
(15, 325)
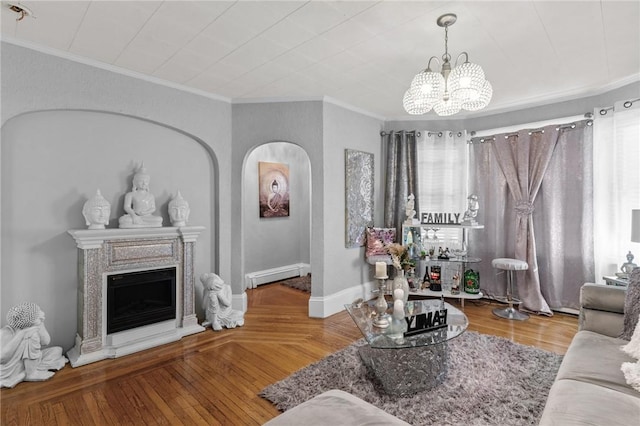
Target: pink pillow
(378, 239)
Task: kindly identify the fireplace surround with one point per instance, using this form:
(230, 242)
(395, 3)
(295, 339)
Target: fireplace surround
(107, 253)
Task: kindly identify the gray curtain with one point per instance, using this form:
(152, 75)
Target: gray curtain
(538, 180)
(401, 177)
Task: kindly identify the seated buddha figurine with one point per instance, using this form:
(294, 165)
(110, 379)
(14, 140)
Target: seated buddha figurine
(139, 204)
(23, 355)
(217, 304)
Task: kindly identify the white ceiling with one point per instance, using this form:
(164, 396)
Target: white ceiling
(361, 53)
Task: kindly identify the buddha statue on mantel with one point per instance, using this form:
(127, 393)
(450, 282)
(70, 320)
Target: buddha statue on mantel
(140, 204)
(96, 211)
(179, 210)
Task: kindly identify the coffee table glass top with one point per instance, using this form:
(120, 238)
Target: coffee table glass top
(363, 315)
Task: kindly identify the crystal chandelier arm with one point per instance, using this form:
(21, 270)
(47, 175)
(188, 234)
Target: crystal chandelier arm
(466, 58)
(429, 63)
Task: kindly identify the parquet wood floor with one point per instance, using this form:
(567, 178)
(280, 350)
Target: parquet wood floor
(213, 378)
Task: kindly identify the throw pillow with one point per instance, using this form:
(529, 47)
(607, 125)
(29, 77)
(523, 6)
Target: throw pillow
(378, 239)
(633, 347)
(631, 305)
(631, 371)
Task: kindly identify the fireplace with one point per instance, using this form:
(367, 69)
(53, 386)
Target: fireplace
(135, 290)
(140, 298)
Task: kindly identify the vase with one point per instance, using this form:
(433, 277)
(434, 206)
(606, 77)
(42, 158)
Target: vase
(401, 282)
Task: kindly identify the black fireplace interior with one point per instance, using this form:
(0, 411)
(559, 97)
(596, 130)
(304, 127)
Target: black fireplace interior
(140, 298)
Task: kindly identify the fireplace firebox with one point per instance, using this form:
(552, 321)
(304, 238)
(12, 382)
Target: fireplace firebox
(135, 299)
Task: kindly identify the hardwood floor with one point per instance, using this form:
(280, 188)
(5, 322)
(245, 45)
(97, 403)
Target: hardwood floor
(214, 378)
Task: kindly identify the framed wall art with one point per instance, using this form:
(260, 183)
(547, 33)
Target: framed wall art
(358, 196)
(273, 181)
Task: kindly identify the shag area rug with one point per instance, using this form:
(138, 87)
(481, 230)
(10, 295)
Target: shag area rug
(490, 381)
(301, 283)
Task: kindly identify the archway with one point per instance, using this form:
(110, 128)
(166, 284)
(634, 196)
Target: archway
(275, 248)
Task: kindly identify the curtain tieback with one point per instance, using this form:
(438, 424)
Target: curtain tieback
(524, 208)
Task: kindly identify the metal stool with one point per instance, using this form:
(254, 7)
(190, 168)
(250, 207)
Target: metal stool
(510, 265)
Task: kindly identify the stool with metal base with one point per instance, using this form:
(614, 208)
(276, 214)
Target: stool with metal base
(510, 266)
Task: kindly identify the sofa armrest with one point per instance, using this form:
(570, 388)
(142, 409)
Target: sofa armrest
(602, 309)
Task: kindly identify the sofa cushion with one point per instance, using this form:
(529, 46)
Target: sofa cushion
(596, 359)
(332, 408)
(378, 239)
(631, 305)
(572, 402)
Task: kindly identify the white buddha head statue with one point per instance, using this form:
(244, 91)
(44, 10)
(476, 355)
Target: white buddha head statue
(179, 210)
(96, 211)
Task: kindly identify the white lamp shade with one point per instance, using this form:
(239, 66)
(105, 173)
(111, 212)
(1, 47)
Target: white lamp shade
(412, 105)
(482, 101)
(449, 107)
(465, 82)
(635, 226)
(427, 87)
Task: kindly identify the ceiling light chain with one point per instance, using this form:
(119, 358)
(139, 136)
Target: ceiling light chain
(448, 91)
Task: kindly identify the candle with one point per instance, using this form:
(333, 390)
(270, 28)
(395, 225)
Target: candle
(381, 270)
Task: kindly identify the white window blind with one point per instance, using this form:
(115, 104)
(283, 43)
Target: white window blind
(443, 159)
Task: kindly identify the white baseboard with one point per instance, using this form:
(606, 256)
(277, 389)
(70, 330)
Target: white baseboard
(254, 279)
(239, 302)
(325, 306)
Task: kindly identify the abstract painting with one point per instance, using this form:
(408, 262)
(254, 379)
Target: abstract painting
(358, 196)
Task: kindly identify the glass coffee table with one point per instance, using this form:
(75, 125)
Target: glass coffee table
(406, 365)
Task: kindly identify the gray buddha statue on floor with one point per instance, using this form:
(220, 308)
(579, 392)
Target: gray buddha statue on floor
(140, 204)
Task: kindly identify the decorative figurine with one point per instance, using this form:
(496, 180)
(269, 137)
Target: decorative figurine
(410, 210)
(628, 266)
(96, 211)
(398, 324)
(455, 284)
(179, 210)
(217, 304)
(22, 356)
(473, 206)
(139, 204)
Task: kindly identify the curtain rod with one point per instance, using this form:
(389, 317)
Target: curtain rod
(416, 132)
(491, 138)
(626, 104)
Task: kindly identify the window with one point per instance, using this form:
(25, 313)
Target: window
(442, 183)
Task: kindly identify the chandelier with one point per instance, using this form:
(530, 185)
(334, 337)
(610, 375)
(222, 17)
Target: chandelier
(448, 91)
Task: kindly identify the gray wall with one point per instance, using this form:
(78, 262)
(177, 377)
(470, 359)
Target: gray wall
(298, 123)
(281, 241)
(323, 130)
(346, 267)
(68, 129)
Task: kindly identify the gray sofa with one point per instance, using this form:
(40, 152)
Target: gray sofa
(334, 408)
(590, 388)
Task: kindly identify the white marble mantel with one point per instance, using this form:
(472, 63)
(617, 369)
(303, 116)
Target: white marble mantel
(102, 252)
